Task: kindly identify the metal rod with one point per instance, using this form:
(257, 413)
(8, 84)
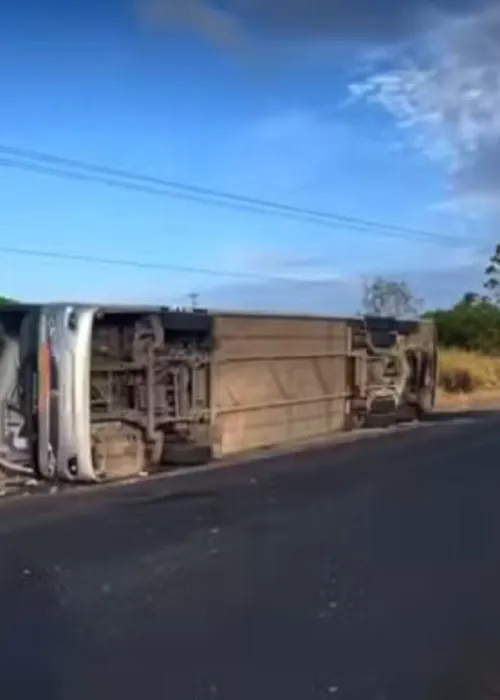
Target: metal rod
(9, 466)
(283, 403)
(296, 356)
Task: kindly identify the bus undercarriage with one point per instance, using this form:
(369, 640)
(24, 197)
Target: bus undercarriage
(89, 394)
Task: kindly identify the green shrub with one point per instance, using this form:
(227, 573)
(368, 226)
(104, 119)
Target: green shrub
(472, 326)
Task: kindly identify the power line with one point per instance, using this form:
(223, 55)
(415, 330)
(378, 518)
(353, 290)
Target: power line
(362, 227)
(210, 272)
(148, 189)
(125, 179)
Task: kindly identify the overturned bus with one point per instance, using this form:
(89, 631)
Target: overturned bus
(90, 394)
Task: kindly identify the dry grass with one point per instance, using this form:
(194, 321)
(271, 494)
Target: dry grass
(468, 373)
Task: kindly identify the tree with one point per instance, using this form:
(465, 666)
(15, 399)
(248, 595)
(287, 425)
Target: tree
(471, 299)
(385, 297)
(469, 326)
(492, 273)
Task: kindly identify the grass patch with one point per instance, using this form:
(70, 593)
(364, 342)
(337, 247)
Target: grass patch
(462, 372)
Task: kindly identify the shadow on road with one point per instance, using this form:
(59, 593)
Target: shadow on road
(476, 414)
(34, 635)
(171, 496)
(381, 421)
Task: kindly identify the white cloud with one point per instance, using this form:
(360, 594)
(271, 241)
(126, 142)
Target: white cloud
(279, 264)
(340, 296)
(440, 287)
(443, 87)
(308, 282)
(446, 97)
(433, 67)
(284, 152)
(295, 151)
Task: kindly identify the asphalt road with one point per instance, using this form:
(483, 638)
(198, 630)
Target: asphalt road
(368, 570)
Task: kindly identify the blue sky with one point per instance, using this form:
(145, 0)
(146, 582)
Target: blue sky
(309, 117)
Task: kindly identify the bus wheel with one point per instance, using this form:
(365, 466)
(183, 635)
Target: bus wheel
(355, 420)
(424, 404)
